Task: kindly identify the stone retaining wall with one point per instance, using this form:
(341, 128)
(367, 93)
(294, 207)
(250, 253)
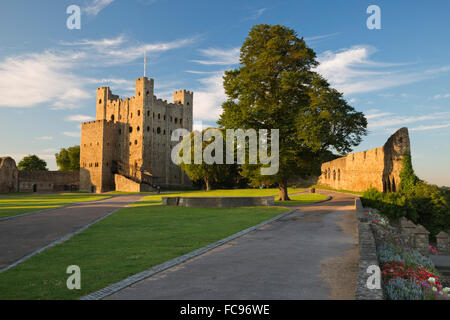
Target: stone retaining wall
(367, 257)
(218, 202)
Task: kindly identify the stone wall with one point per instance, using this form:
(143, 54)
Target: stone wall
(378, 168)
(8, 175)
(48, 181)
(134, 134)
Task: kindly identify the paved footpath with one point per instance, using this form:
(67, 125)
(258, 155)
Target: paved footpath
(309, 254)
(23, 235)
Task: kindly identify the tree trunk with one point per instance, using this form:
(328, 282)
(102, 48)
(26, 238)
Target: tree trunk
(283, 192)
(208, 186)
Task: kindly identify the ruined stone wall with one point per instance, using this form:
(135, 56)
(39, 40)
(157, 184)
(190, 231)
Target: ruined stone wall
(379, 168)
(138, 139)
(8, 175)
(48, 181)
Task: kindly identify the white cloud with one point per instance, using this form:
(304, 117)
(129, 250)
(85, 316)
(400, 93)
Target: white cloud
(217, 56)
(31, 79)
(79, 118)
(442, 96)
(352, 71)
(76, 134)
(96, 6)
(384, 121)
(256, 14)
(52, 77)
(209, 98)
(45, 138)
(430, 127)
(120, 50)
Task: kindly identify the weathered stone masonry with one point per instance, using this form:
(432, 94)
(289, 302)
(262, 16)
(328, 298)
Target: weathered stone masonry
(128, 146)
(379, 168)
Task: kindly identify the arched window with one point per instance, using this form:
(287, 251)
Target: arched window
(130, 129)
(158, 130)
(329, 173)
(339, 174)
(100, 101)
(139, 112)
(159, 115)
(147, 93)
(112, 117)
(334, 175)
(135, 141)
(393, 185)
(138, 128)
(148, 128)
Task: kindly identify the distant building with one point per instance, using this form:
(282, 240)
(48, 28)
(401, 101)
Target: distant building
(379, 168)
(128, 146)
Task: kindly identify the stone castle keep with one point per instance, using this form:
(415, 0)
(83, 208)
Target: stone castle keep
(128, 146)
(379, 168)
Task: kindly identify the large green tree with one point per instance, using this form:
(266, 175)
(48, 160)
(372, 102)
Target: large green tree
(276, 87)
(32, 163)
(68, 159)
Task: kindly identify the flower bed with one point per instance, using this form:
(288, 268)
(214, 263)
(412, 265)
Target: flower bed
(408, 275)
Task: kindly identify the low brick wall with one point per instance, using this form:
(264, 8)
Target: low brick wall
(367, 257)
(218, 202)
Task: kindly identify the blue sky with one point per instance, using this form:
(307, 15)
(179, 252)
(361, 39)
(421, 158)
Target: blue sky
(398, 76)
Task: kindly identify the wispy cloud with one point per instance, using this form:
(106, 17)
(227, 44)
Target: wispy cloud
(216, 56)
(442, 96)
(321, 37)
(96, 6)
(120, 50)
(388, 121)
(430, 127)
(52, 77)
(255, 14)
(79, 118)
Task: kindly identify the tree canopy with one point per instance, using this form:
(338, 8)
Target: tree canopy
(276, 87)
(68, 159)
(209, 173)
(32, 163)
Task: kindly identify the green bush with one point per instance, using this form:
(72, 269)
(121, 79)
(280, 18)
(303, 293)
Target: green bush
(424, 204)
(416, 200)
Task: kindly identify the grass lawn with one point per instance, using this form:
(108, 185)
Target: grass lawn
(18, 204)
(303, 198)
(127, 242)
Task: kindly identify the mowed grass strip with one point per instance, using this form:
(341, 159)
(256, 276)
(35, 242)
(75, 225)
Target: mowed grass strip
(302, 199)
(18, 204)
(127, 242)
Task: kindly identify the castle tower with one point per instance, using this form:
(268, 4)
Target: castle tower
(130, 140)
(186, 98)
